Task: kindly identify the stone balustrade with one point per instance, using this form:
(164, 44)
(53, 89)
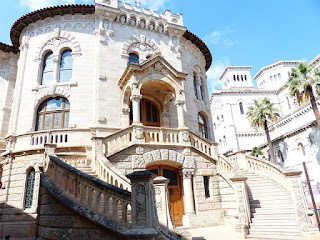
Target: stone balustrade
(226, 167)
(154, 135)
(289, 179)
(101, 198)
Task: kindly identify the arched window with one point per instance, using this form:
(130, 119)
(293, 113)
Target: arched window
(238, 77)
(195, 80)
(245, 77)
(234, 77)
(301, 149)
(288, 102)
(280, 156)
(202, 126)
(275, 77)
(29, 189)
(66, 66)
(279, 76)
(241, 108)
(133, 58)
(214, 126)
(53, 114)
(241, 77)
(222, 119)
(47, 69)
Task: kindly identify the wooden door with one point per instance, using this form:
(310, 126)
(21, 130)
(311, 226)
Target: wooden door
(175, 191)
(149, 113)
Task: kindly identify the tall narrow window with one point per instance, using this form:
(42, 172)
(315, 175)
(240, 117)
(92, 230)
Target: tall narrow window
(133, 58)
(195, 80)
(301, 149)
(279, 76)
(53, 114)
(66, 66)
(202, 126)
(234, 77)
(241, 108)
(280, 156)
(288, 102)
(29, 189)
(206, 186)
(47, 69)
(224, 141)
(245, 77)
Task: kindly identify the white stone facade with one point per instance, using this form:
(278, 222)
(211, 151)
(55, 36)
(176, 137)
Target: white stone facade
(294, 130)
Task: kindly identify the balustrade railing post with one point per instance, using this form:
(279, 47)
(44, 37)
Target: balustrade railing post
(143, 203)
(162, 202)
(243, 205)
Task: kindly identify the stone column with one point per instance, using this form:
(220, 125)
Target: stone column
(143, 204)
(188, 197)
(180, 104)
(19, 86)
(56, 67)
(136, 108)
(188, 192)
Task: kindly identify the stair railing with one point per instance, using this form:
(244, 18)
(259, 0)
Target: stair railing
(289, 179)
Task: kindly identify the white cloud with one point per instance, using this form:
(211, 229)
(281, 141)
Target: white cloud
(215, 72)
(220, 37)
(37, 4)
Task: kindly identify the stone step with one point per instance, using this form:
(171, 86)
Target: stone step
(275, 231)
(269, 211)
(267, 195)
(273, 237)
(275, 225)
(287, 216)
(275, 220)
(271, 206)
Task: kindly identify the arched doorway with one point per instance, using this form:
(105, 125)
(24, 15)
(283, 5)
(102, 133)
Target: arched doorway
(174, 188)
(149, 114)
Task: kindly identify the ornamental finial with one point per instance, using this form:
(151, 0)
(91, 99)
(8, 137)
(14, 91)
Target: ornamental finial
(138, 3)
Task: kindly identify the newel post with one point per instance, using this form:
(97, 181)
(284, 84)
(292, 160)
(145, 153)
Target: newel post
(143, 204)
(50, 150)
(243, 206)
(162, 202)
(308, 230)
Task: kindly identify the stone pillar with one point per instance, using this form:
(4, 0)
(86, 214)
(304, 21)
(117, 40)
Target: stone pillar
(125, 117)
(308, 230)
(18, 87)
(56, 67)
(162, 202)
(180, 104)
(243, 206)
(143, 204)
(136, 109)
(187, 196)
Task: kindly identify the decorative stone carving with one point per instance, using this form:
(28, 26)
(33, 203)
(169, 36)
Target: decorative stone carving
(138, 162)
(139, 44)
(126, 111)
(141, 205)
(138, 133)
(185, 136)
(158, 67)
(135, 98)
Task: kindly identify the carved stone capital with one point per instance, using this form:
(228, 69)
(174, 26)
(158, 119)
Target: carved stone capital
(180, 103)
(187, 173)
(135, 98)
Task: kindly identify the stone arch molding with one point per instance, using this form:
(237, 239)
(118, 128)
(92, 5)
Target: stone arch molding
(141, 161)
(51, 92)
(140, 45)
(57, 40)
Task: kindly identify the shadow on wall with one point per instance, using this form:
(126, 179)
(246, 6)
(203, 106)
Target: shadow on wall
(16, 223)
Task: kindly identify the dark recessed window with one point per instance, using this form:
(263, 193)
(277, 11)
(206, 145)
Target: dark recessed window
(206, 186)
(133, 58)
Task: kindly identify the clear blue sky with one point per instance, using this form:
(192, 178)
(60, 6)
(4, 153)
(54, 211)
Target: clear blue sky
(246, 32)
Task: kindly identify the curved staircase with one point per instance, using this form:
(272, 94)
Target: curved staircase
(272, 210)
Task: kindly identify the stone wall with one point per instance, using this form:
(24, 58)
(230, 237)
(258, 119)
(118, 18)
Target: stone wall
(56, 222)
(16, 220)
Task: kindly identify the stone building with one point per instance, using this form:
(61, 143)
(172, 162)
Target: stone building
(294, 135)
(94, 95)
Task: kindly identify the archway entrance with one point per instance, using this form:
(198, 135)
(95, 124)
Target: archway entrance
(149, 114)
(174, 188)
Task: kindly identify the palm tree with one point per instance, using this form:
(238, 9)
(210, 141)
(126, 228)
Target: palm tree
(256, 151)
(260, 114)
(301, 81)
